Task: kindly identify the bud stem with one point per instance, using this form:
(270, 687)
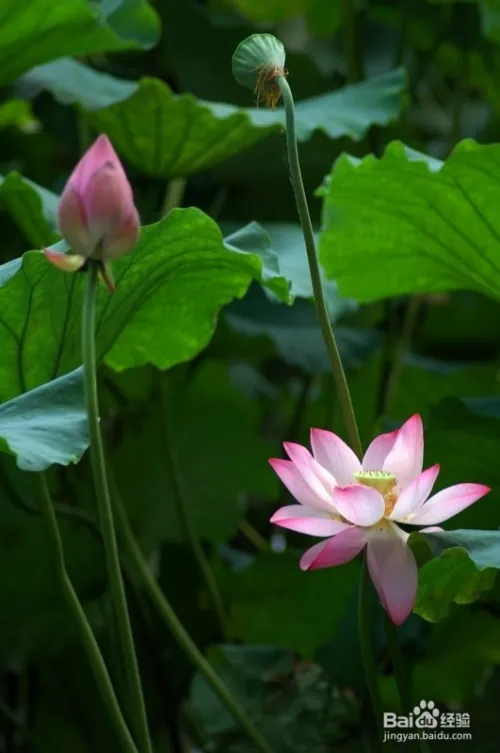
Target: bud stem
(312, 256)
(87, 637)
(137, 709)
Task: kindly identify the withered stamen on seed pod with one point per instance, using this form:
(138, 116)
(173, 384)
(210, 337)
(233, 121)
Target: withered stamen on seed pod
(266, 89)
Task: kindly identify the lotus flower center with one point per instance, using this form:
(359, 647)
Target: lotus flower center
(384, 482)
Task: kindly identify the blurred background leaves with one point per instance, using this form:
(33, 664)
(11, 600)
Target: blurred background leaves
(397, 106)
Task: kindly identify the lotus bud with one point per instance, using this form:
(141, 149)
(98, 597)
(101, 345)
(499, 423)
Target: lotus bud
(96, 213)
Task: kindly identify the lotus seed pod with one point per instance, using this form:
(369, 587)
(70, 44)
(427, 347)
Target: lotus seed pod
(257, 62)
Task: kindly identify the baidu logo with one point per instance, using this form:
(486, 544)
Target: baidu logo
(423, 716)
(426, 722)
(426, 715)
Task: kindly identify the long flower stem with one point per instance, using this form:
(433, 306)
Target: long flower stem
(87, 637)
(184, 510)
(184, 640)
(137, 708)
(312, 256)
(365, 639)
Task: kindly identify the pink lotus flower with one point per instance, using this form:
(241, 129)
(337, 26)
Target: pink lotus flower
(96, 213)
(357, 504)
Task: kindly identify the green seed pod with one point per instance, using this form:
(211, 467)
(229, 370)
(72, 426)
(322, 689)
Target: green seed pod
(257, 62)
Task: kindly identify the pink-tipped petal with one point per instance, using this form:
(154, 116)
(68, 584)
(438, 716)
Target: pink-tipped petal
(72, 222)
(334, 455)
(361, 505)
(302, 458)
(119, 241)
(335, 551)
(378, 450)
(107, 202)
(415, 494)
(307, 520)
(297, 452)
(406, 457)
(447, 503)
(394, 573)
(65, 262)
(311, 492)
(100, 153)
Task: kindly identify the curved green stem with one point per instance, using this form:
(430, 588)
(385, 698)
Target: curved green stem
(184, 510)
(312, 256)
(181, 636)
(137, 708)
(87, 637)
(365, 639)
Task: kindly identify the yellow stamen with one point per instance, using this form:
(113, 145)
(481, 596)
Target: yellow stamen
(266, 89)
(384, 482)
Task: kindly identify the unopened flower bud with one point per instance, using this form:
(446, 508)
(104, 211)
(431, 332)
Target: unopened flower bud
(257, 62)
(96, 214)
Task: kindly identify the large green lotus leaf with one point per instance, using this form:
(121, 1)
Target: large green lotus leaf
(294, 330)
(281, 246)
(37, 31)
(221, 458)
(70, 81)
(168, 135)
(465, 568)
(273, 586)
(169, 291)
(33, 208)
(296, 333)
(46, 425)
(483, 547)
(408, 224)
(133, 20)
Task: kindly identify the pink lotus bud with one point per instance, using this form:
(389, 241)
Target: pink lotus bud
(96, 214)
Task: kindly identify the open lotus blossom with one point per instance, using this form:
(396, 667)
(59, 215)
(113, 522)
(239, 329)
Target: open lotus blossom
(96, 213)
(358, 504)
